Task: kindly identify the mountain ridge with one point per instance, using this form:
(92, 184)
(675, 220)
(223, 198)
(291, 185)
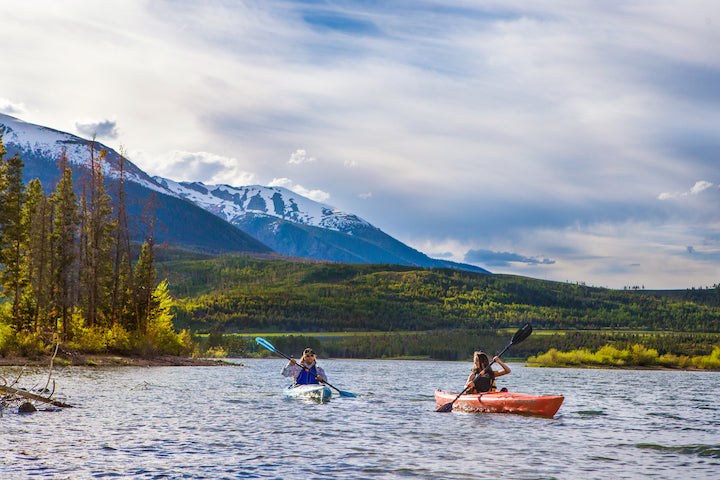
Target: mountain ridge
(220, 218)
(179, 222)
(294, 225)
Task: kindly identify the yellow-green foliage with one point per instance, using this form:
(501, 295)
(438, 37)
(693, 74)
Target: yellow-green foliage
(7, 334)
(159, 339)
(633, 355)
(161, 334)
(711, 361)
(117, 339)
(86, 339)
(216, 352)
(30, 345)
(20, 343)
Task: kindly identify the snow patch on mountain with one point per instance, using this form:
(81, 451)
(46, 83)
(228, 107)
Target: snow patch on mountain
(49, 143)
(233, 203)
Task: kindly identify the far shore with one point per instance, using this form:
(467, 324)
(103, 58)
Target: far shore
(103, 360)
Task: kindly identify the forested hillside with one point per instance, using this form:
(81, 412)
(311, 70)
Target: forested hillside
(69, 273)
(235, 294)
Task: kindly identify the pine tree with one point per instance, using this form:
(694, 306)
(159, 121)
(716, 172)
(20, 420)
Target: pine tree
(122, 267)
(97, 235)
(65, 224)
(38, 215)
(3, 185)
(145, 278)
(13, 235)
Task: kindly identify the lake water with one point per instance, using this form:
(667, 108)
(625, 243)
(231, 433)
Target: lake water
(233, 422)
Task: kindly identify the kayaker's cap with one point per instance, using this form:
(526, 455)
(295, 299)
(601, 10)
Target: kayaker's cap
(308, 352)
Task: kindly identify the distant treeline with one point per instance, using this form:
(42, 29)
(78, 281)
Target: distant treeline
(235, 294)
(456, 344)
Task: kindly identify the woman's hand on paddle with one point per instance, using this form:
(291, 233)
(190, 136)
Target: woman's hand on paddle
(320, 378)
(293, 362)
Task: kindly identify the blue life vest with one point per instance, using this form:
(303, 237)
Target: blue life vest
(306, 378)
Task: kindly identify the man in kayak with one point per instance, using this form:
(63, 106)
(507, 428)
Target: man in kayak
(307, 371)
(485, 382)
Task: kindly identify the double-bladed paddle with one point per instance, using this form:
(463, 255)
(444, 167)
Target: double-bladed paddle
(519, 336)
(270, 347)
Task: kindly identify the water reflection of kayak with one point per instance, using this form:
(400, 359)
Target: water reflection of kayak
(316, 392)
(503, 402)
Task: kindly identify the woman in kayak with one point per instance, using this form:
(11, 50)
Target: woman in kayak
(307, 371)
(486, 381)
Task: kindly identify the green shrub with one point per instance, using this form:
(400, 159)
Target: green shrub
(30, 345)
(711, 361)
(7, 339)
(118, 339)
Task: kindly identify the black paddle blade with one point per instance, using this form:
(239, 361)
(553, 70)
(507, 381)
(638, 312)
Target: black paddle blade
(445, 408)
(521, 334)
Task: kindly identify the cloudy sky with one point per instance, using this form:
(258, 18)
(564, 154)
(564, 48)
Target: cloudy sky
(569, 140)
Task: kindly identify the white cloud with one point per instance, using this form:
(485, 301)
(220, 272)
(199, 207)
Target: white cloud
(300, 156)
(696, 189)
(365, 196)
(470, 121)
(317, 195)
(196, 167)
(700, 187)
(97, 128)
(9, 107)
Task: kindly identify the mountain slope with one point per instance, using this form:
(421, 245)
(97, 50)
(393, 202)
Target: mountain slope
(177, 221)
(298, 226)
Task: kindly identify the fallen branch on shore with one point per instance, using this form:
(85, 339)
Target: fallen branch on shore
(32, 396)
(13, 393)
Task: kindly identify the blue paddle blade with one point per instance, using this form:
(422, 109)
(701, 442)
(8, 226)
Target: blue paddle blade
(265, 344)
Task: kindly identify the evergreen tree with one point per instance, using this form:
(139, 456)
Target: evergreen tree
(38, 215)
(122, 283)
(13, 235)
(145, 278)
(64, 236)
(97, 236)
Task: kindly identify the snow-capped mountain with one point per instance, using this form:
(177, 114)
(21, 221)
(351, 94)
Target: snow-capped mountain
(178, 222)
(47, 143)
(298, 226)
(218, 218)
(233, 203)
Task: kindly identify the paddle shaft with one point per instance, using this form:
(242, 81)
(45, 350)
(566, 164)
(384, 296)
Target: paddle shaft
(347, 394)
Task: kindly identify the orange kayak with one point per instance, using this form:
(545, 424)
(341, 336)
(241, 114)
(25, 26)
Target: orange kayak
(502, 402)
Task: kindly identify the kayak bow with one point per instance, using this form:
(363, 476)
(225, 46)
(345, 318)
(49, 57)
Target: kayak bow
(503, 402)
(315, 392)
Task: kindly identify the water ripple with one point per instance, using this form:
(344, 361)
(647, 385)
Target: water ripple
(233, 422)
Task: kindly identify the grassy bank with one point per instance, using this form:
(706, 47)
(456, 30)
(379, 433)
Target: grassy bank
(632, 356)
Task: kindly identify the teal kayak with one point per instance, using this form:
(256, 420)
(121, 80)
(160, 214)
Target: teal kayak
(317, 392)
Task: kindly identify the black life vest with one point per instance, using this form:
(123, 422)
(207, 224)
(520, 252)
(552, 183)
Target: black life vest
(483, 383)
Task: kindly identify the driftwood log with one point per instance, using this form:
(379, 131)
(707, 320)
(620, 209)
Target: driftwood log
(11, 390)
(32, 396)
